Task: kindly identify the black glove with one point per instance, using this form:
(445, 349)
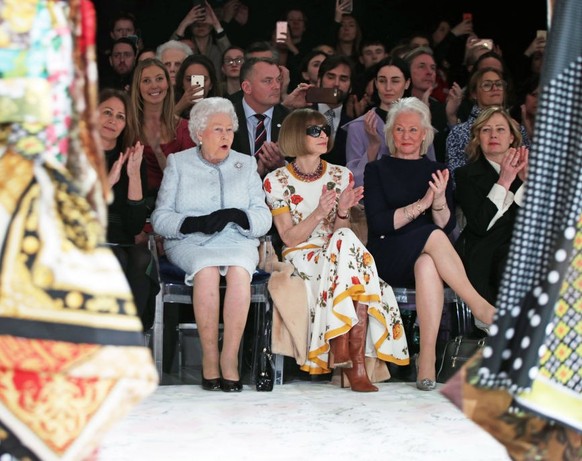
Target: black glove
(215, 221)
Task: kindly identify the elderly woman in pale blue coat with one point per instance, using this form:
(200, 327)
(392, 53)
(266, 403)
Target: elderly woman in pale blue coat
(211, 211)
(365, 139)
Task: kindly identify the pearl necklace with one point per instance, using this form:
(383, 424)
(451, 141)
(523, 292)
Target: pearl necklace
(308, 177)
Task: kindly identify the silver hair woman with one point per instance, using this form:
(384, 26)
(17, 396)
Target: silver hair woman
(211, 211)
(410, 210)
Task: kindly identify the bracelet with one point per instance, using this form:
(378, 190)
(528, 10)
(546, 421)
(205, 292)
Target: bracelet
(444, 206)
(346, 216)
(419, 208)
(410, 216)
(175, 36)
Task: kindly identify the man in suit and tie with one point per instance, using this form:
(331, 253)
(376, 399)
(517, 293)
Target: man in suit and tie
(260, 113)
(336, 72)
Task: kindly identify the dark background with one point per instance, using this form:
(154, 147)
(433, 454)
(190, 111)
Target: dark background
(388, 20)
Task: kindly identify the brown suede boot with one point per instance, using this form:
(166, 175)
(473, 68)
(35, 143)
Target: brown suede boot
(339, 347)
(357, 375)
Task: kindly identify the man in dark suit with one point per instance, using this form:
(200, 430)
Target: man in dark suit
(336, 72)
(259, 109)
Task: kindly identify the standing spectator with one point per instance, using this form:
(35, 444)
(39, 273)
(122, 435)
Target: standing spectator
(198, 26)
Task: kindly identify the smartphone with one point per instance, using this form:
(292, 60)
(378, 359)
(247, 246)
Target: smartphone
(467, 16)
(541, 34)
(198, 80)
(323, 95)
(484, 42)
(281, 32)
(350, 6)
(201, 3)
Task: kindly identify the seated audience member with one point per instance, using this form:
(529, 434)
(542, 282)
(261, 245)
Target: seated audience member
(336, 72)
(146, 53)
(487, 88)
(260, 113)
(524, 112)
(172, 53)
(365, 140)
(309, 68)
(122, 25)
(214, 232)
(489, 190)
(410, 210)
(353, 313)
(372, 52)
(128, 212)
(154, 123)
(232, 61)
(423, 74)
(198, 26)
(121, 65)
(187, 94)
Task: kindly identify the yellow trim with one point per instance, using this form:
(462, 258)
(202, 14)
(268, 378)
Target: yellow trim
(278, 211)
(323, 170)
(547, 394)
(306, 247)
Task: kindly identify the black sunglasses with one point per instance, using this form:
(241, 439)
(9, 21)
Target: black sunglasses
(315, 130)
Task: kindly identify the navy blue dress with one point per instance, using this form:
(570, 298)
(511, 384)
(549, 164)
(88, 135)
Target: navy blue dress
(391, 183)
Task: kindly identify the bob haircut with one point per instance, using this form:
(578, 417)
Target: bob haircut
(473, 149)
(477, 78)
(292, 137)
(109, 93)
(206, 108)
(409, 105)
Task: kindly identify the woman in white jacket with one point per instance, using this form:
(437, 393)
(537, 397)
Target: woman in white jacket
(211, 211)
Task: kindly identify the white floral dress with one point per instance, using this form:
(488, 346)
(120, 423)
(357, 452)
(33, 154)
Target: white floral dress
(337, 270)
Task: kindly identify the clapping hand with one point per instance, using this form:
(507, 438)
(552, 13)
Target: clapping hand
(514, 162)
(438, 187)
(115, 171)
(350, 196)
(326, 202)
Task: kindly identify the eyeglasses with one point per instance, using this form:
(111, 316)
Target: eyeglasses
(315, 130)
(488, 85)
(232, 62)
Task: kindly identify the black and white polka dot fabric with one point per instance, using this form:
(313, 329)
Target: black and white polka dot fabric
(531, 306)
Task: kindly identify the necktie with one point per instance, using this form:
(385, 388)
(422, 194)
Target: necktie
(260, 132)
(330, 115)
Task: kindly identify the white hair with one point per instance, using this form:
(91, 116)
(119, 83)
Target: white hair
(409, 105)
(204, 109)
(173, 44)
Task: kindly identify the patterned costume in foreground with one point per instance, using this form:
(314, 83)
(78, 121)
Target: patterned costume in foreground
(72, 360)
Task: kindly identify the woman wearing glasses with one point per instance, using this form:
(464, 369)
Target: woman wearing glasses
(487, 88)
(232, 61)
(352, 311)
(410, 210)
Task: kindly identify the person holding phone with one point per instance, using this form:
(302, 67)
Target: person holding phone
(204, 32)
(335, 73)
(196, 79)
(353, 313)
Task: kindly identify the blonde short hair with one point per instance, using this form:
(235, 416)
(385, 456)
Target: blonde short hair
(409, 105)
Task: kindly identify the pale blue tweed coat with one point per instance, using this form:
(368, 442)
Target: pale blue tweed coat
(191, 186)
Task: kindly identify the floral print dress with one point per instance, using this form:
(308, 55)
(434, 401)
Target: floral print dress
(337, 270)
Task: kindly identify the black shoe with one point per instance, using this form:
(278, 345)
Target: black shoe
(231, 386)
(214, 384)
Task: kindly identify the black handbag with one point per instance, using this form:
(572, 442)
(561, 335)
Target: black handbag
(264, 377)
(457, 352)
